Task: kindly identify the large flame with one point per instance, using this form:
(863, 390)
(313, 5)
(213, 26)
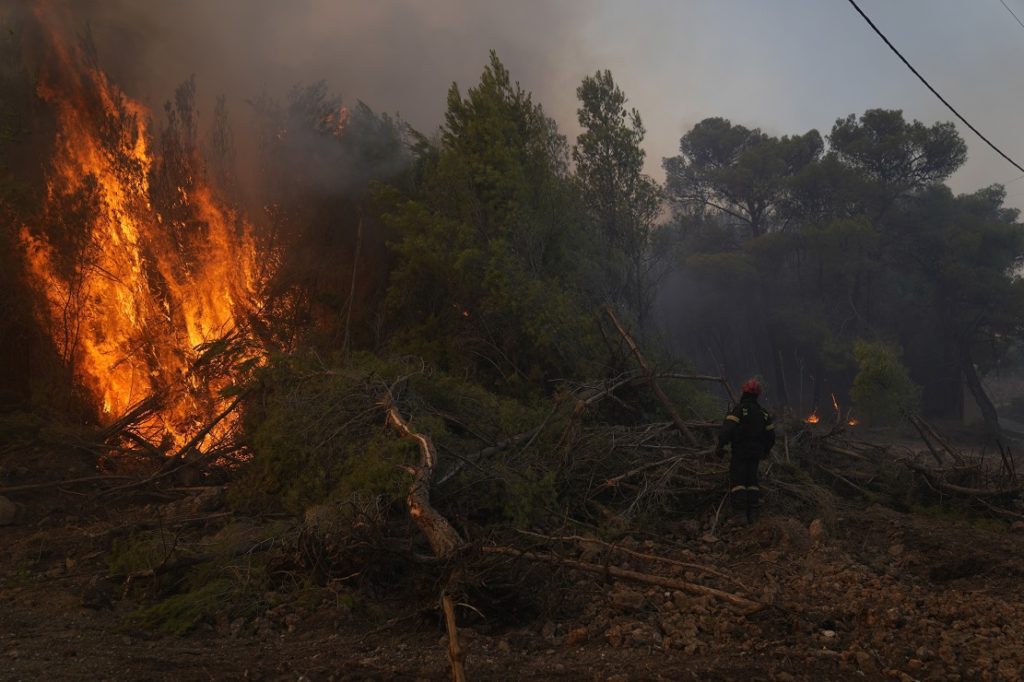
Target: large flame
(131, 294)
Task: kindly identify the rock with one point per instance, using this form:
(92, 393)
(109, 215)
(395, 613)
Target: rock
(680, 600)
(503, 646)
(629, 600)
(8, 511)
(708, 538)
(613, 636)
(895, 550)
(816, 531)
(576, 636)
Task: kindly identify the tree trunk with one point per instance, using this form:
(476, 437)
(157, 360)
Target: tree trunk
(988, 410)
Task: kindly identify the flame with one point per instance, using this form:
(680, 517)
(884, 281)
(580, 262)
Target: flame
(812, 418)
(852, 421)
(336, 121)
(130, 293)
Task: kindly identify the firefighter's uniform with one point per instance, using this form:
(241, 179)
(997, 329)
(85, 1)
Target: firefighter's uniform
(750, 432)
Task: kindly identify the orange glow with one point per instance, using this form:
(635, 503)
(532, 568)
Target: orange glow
(812, 418)
(835, 403)
(137, 292)
(852, 422)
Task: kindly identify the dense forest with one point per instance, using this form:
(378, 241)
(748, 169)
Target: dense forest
(420, 365)
(486, 247)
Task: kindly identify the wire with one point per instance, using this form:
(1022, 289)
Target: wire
(1012, 13)
(934, 91)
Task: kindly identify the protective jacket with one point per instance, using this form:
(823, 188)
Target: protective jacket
(749, 429)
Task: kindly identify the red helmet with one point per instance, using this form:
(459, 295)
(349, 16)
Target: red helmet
(751, 386)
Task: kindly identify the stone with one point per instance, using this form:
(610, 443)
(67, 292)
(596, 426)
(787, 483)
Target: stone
(576, 636)
(896, 550)
(629, 600)
(816, 531)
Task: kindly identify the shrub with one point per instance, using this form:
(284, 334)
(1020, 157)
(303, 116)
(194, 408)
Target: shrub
(882, 389)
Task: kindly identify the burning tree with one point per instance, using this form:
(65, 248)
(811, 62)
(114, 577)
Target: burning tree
(140, 262)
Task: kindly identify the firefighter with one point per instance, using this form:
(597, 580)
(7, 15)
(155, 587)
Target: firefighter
(750, 432)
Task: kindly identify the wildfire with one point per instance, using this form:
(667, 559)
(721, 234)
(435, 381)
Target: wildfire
(812, 418)
(852, 422)
(131, 293)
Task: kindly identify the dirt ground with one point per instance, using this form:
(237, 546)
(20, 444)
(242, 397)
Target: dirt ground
(870, 594)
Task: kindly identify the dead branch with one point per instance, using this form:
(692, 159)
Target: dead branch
(837, 450)
(954, 489)
(60, 484)
(651, 381)
(639, 555)
(135, 414)
(615, 481)
(441, 535)
(941, 440)
(487, 452)
(920, 430)
(748, 605)
(203, 432)
(700, 377)
(455, 653)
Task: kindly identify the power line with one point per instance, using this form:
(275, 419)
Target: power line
(934, 91)
(1012, 14)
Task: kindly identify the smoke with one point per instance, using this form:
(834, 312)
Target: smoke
(398, 56)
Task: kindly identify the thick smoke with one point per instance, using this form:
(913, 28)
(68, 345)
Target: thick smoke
(398, 56)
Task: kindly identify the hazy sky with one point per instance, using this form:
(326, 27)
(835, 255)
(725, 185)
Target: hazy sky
(782, 65)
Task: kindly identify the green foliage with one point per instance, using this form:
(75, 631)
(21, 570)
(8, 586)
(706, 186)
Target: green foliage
(317, 434)
(486, 279)
(882, 390)
(179, 613)
(621, 203)
(527, 499)
(139, 552)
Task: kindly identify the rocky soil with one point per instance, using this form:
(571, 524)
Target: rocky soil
(872, 594)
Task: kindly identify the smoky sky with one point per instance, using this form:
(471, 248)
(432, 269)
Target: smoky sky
(397, 56)
(785, 66)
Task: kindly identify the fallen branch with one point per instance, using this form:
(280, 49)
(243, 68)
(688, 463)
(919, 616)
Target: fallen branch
(615, 481)
(58, 484)
(441, 535)
(455, 653)
(962, 490)
(487, 452)
(700, 377)
(652, 381)
(639, 555)
(748, 605)
(920, 430)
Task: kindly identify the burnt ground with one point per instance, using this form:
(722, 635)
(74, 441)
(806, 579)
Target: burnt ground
(879, 594)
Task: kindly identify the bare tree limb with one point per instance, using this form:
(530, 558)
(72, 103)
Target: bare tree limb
(652, 382)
